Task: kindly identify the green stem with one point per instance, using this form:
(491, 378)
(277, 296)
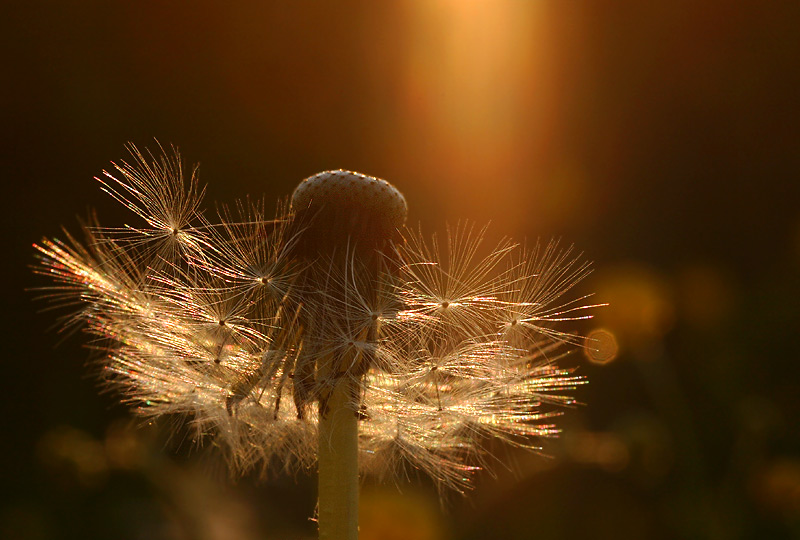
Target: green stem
(338, 466)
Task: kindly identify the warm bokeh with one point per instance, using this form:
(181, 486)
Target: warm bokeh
(661, 138)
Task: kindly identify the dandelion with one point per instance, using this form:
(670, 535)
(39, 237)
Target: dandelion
(327, 335)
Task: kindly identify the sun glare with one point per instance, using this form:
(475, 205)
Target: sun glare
(472, 66)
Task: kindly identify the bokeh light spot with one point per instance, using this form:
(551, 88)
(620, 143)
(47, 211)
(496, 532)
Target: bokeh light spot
(643, 306)
(776, 487)
(707, 295)
(72, 457)
(602, 449)
(601, 346)
(388, 515)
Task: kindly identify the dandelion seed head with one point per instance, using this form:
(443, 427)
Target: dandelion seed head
(244, 325)
(348, 205)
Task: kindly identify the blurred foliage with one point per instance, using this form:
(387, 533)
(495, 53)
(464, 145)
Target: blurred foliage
(660, 137)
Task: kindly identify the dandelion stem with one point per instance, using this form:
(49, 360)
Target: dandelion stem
(338, 466)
